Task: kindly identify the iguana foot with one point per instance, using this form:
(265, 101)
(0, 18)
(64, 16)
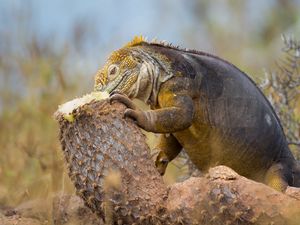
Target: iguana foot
(161, 163)
(132, 111)
(117, 96)
(277, 177)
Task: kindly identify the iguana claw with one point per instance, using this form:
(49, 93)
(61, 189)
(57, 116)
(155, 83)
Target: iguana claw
(116, 96)
(132, 111)
(137, 115)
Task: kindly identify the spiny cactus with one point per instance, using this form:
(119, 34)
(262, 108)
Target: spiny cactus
(99, 146)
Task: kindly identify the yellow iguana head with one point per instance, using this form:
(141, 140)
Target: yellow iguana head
(132, 70)
(121, 70)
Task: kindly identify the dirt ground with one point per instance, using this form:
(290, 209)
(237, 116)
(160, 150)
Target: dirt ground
(67, 210)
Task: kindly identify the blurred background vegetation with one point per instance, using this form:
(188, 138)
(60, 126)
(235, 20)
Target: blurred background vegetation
(50, 51)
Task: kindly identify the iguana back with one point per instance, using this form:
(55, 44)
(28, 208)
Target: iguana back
(235, 118)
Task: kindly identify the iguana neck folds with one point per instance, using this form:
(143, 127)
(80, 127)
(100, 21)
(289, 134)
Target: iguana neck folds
(153, 72)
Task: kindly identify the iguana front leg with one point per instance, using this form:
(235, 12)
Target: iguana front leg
(175, 113)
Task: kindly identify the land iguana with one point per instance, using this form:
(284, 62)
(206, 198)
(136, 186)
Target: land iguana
(203, 104)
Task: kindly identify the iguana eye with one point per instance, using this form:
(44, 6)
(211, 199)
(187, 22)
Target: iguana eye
(113, 71)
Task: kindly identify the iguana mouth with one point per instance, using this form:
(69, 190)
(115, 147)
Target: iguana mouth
(119, 81)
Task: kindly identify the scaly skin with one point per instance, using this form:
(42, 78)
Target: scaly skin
(203, 104)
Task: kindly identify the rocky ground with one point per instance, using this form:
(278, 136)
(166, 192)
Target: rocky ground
(70, 209)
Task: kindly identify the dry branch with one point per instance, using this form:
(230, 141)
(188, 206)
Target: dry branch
(110, 165)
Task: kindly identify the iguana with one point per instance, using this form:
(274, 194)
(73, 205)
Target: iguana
(203, 104)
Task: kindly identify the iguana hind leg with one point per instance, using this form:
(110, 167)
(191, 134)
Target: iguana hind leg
(278, 177)
(169, 148)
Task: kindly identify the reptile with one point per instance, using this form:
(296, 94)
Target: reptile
(203, 104)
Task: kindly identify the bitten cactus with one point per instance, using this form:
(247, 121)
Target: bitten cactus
(109, 162)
